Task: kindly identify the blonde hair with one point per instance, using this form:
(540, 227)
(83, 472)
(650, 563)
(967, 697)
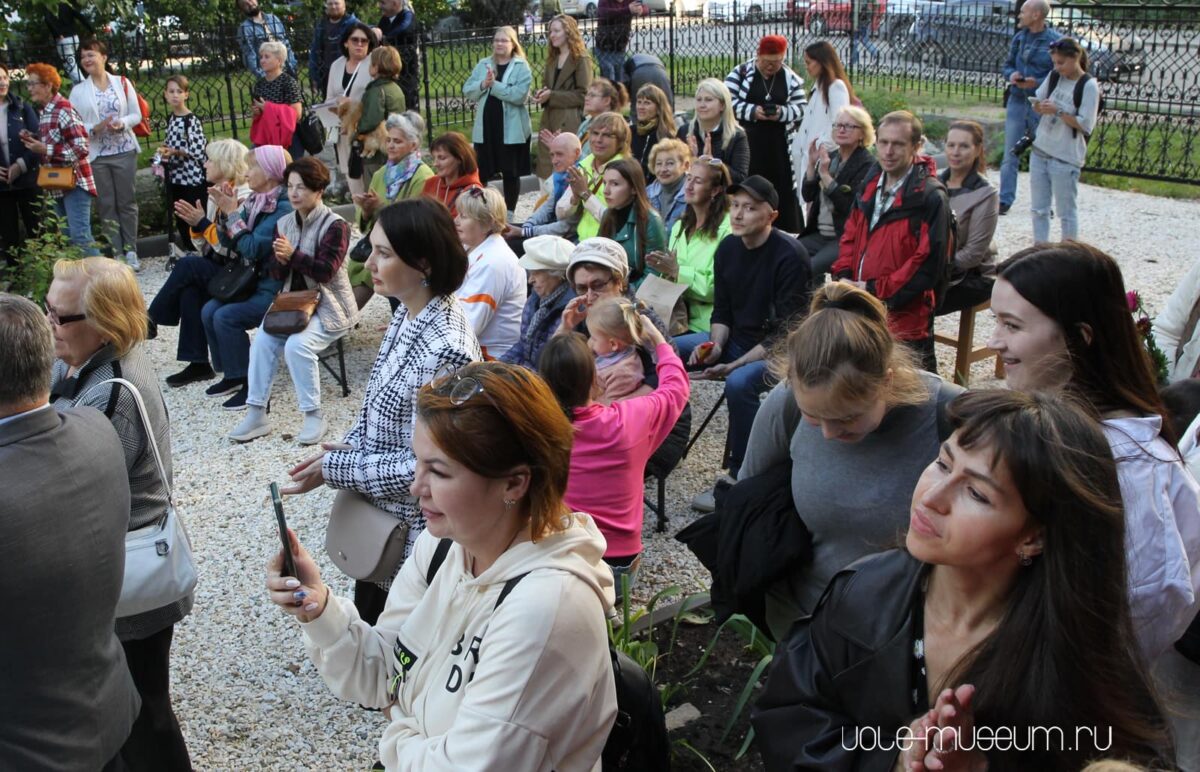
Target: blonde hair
(511, 34)
(718, 90)
(112, 300)
(229, 157)
(486, 208)
(672, 145)
(275, 48)
(386, 61)
(844, 345)
(613, 122)
(862, 118)
(617, 318)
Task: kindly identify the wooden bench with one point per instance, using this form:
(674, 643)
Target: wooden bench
(964, 345)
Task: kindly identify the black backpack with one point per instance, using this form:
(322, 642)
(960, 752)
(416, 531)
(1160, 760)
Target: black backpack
(945, 271)
(638, 739)
(1076, 97)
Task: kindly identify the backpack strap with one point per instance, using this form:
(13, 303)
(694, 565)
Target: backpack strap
(111, 408)
(439, 557)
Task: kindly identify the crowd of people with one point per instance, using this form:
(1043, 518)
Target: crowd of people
(976, 557)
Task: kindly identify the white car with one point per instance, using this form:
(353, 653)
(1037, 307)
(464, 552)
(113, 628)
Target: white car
(578, 8)
(746, 10)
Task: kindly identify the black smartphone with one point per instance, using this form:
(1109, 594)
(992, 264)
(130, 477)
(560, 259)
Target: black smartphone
(289, 562)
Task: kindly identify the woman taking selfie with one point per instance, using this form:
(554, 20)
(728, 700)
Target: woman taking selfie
(417, 259)
(491, 651)
(1007, 601)
(1063, 324)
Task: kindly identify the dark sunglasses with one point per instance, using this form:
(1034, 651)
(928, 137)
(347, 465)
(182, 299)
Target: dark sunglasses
(448, 382)
(59, 321)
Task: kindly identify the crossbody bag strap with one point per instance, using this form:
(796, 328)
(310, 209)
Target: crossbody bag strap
(141, 406)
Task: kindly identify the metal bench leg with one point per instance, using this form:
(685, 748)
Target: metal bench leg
(662, 506)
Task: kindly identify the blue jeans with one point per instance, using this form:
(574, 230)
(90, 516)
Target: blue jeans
(225, 326)
(612, 65)
(862, 40)
(75, 206)
(1019, 119)
(179, 302)
(300, 352)
(1050, 176)
(742, 389)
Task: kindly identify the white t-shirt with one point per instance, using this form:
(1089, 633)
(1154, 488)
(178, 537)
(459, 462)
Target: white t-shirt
(1055, 138)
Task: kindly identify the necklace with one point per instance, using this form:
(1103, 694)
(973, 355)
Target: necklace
(770, 83)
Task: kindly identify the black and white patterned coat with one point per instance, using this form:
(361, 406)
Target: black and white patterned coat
(186, 133)
(738, 82)
(381, 465)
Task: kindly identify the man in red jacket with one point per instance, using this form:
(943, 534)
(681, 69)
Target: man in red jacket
(896, 240)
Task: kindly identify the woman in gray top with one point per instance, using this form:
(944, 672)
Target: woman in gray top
(99, 319)
(871, 424)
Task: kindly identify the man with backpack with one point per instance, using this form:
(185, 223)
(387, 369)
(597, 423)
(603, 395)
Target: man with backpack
(898, 239)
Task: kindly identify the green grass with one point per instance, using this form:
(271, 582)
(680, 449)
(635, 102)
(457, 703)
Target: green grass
(1149, 187)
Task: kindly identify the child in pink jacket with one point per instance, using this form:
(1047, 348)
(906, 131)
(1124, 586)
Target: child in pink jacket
(613, 442)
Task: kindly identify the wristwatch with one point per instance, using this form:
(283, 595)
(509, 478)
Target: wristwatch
(1058, 113)
(586, 195)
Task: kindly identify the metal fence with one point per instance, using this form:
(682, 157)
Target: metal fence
(947, 53)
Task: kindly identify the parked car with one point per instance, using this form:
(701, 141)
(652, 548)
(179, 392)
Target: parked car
(753, 11)
(975, 35)
(826, 16)
(587, 8)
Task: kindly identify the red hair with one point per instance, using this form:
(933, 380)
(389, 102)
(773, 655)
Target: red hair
(772, 45)
(48, 74)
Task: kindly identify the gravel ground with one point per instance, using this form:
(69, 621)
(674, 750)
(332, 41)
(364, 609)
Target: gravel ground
(244, 690)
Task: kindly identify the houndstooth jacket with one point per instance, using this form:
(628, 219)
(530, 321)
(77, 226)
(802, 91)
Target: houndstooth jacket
(381, 464)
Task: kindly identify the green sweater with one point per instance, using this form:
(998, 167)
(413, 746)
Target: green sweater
(635, 253)
(380, 99)
(695, 257)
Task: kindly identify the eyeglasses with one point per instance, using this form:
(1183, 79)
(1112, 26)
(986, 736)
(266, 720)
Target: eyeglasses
(460, 389)
(595, 287)
(601, 135)
(360, 41)
(59, 321)
(475, 191)
(846, 126)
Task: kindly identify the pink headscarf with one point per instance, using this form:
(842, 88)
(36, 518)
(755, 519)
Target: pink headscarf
(272, 160)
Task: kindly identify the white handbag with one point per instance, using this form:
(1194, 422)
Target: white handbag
(159, 568)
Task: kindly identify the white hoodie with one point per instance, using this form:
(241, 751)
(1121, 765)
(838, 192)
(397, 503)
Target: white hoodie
(528, 687)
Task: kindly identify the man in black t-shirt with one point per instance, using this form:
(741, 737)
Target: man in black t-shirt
(761, 283)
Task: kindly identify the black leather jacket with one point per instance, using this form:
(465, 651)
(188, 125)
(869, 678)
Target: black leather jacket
(846, 671)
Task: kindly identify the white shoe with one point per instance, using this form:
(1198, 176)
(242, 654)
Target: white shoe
(253, 426)
(131, 260)
(313, 430)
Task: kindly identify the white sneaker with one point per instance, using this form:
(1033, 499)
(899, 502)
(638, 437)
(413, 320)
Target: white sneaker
(313, 430)
(131, 260)
(253, 426)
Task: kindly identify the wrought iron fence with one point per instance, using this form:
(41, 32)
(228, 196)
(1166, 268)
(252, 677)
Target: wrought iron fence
(1146, 57)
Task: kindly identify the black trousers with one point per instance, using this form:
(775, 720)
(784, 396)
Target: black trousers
(156, 742)
(968, 293)
(192, 194)
(17, 206)
(179, 302)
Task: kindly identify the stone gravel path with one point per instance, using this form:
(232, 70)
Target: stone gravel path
(244, 690)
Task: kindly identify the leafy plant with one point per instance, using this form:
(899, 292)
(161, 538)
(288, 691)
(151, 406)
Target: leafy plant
(35, 261)
(644, 652)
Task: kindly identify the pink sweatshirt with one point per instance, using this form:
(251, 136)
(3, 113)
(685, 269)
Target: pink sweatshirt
(613, 443)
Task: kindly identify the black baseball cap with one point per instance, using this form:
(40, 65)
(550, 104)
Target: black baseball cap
(759, 188)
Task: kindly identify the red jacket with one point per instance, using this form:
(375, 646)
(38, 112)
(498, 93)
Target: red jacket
(436, 187)
(894, 258)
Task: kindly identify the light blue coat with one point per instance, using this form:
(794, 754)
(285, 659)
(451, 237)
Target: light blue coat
(511, 90)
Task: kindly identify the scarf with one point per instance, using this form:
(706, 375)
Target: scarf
(396, 174)
(648, 127)
(545, 307)
(272, 160)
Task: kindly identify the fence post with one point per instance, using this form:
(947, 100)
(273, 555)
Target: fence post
(224, 54)
(854, 7)
(736, 25)
(426, 42)
(671, 44)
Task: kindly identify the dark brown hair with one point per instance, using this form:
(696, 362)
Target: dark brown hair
(1081, 289)
(456, 145)
(1067, 616)
(976, 132)
(515, 422)
(358, 26)
(631, 171)
(718, 205)
(569, 368)
(422, 234)
(824, 54)
(313, 173)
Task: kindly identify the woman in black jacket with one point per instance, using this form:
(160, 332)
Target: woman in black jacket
(1006, 616)
(18, 178)
(833, 176)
